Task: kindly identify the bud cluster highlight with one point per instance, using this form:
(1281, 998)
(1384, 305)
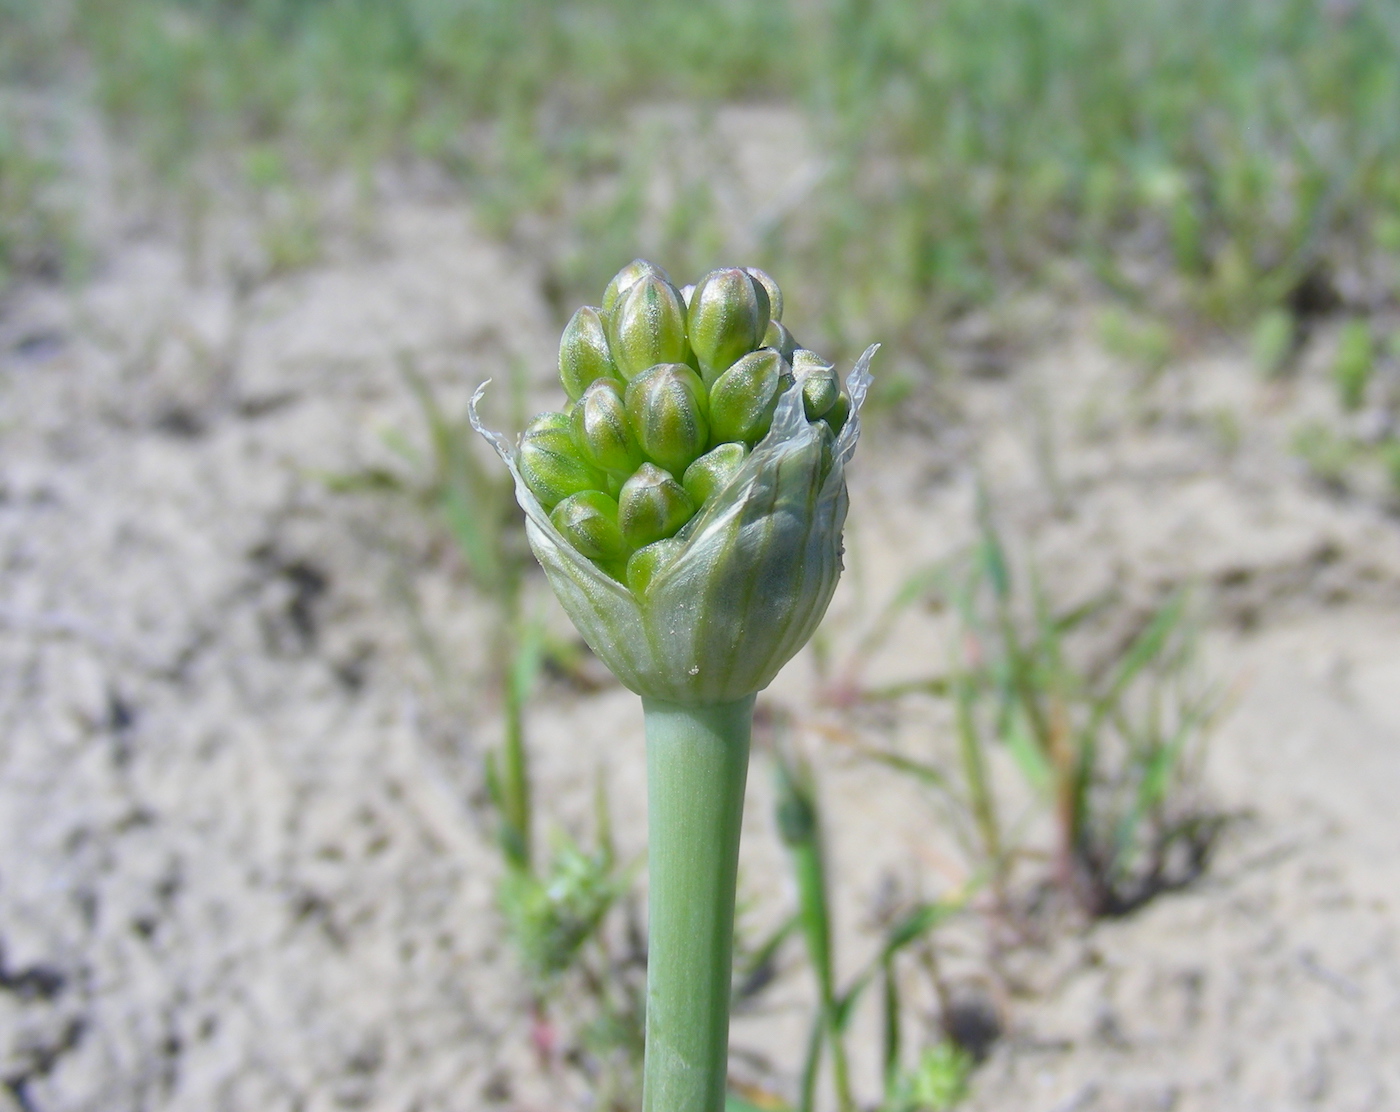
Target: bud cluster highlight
(669, 390)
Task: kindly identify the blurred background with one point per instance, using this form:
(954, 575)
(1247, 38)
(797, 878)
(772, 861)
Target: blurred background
(1205, 164)
(310, 798)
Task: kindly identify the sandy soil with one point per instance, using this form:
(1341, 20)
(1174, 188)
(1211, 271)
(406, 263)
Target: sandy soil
(244, 858)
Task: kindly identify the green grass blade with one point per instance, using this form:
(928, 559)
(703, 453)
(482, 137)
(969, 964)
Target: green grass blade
(811, 1064)
(979, 787)
(602, 821)
(476, 540)
(735, 1103)
(890, 1031)
(768, 950)
(991, 555)
(1149, 645)
(1029, 757)
(399, 444)
(799, 825)
(924, 773)
(915, 926)
(934, 685)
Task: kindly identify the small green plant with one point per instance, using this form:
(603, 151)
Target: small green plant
(939, 1081)
(1354, 363)
(290, 234)
(800, 826)
(1111, 745)
(555, 913)
(1145, 342)
(687, 509)
(557, 916)
(35, 230)
(972, 814)
(1273, 341)
(1390, 459)
(1328, 456)
(1225, 429)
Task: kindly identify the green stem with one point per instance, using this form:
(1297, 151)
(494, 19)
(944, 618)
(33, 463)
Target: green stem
(978, 786)
(517, 647)
(697, 764)
(515, 781)
(840, 1073)
(810, 868)
(890, 1049)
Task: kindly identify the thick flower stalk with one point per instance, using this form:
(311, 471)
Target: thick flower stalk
(687, 507)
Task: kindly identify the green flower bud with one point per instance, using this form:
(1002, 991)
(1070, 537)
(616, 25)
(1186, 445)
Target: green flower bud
(583, 352)
(728, 318)
(710, 614)
(601, 430)
(780, 339)
(550, 419)
(770, 287)
(647, 326)
(835, 417)
(652, 506)
(820, 388)
(628, 277)
(588, 521)
(667, 410)
(551, 463)
(646, 563)
(711, 473)
(742, 400)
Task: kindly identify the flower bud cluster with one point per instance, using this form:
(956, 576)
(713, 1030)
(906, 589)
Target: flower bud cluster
(669, 391)
(687, 504)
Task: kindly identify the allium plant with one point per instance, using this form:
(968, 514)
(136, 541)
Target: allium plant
(687, 507)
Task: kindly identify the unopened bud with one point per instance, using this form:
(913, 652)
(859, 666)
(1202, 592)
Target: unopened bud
(820, 387)
(646, 563)
(628, 277)
(742, 400)
(600, 428)
(583, 352)
(780, 339)
(653, 506)
(711, 473)
(647, 326)
(837, 414)
(666, 408)
(543, 422)
(770, 287)
(588, 521)
(551, 463)
(728, 319)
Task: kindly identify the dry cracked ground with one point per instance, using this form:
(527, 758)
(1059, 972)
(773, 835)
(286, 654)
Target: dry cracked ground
(244, 857)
